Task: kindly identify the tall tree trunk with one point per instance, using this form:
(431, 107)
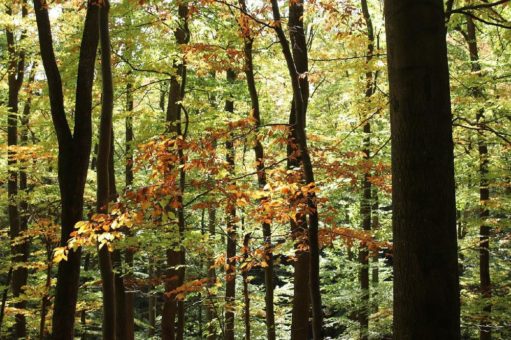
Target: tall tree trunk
(246, 292)
(151, 303)
(426, 284)
(211, 311)
(365, 206)
(375, 277)
(300, 108)
(45, 300)
(104, 187)
(230, 273)
(74, 153)
(126, 322)
(261, 177)
(15, 75)
(4, 297)
(172, 307)
(484, 192)
(299, 229)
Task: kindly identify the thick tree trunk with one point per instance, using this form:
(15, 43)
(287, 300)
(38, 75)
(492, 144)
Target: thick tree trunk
(426, 284)
(484, 192)
(104, 187)
(230, 273)
(300, 108)
(74, 153)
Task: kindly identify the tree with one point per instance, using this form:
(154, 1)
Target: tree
(172, 306)
(484, 191)
(426, 285)
(74, 152)
(300, 110)
(106, 185)
(19, 249)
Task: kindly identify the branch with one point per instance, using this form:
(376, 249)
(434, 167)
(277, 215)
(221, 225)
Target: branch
(52, 72)
(472, 7)
(485, 21)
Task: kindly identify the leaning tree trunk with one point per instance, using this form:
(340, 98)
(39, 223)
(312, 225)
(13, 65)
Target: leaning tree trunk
(74, 153)
(484, 192)
(426, 284)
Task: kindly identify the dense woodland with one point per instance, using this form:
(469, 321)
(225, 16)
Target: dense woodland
(239, 169)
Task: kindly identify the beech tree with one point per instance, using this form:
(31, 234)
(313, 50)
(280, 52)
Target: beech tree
(74, 152)
(426, 283)
(245, 179)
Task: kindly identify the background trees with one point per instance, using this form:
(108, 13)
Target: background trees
(178, 110)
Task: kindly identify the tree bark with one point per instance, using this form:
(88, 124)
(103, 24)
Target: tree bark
(173, 308)
(299, 229)
(104, 187)
(211, 311)
(246, 292)
(261, 177)
(484, 192)
(426, 284)
(126, 328)
(74, 153)
(15, 75)
(230, 273)
(365, 205)
(300, 109)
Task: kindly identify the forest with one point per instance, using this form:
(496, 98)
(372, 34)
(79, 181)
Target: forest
(255, 169)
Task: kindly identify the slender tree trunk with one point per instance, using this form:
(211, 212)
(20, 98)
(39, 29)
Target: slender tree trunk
(129, 297)
(15, 75)
(74, 153)
(365, 212)
(173, 308)
(426, 284)
(484, 192)
(4, 298)
(45, 301)
(83, 314)
(375, 268)
(151, 303)
(300, 325)
(261, 178)
(306, 275)
(246, 292)
(365, 206)
(211, 312)
(230, 273)
(300, 108)
(104, 187)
